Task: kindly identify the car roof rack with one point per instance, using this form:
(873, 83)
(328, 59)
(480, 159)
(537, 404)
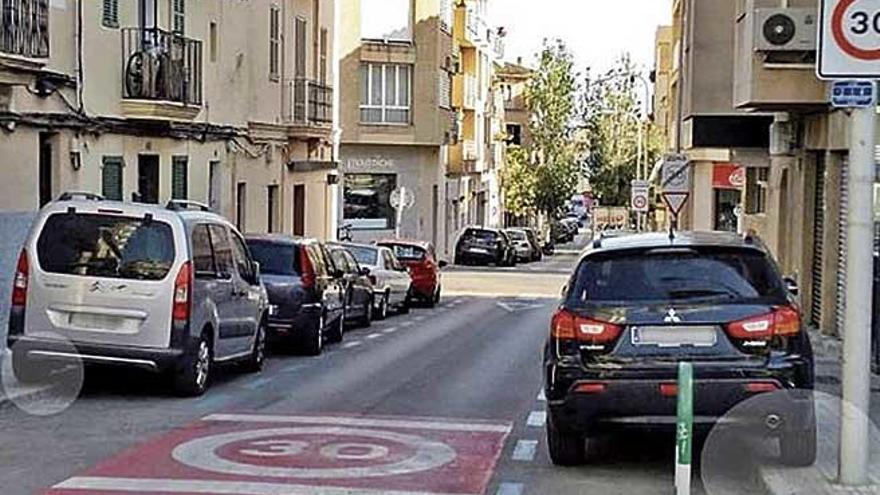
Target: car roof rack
(72, 195)
(185, 205)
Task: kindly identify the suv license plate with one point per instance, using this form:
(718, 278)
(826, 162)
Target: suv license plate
(679, 336)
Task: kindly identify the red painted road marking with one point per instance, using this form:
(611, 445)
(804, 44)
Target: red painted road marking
(274, 454)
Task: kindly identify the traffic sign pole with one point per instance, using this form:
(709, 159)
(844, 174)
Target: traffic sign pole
(854, 426)
(684, 429)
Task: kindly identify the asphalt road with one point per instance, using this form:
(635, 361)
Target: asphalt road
(443, 400)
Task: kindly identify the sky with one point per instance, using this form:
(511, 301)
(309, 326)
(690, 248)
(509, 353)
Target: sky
(596, 31)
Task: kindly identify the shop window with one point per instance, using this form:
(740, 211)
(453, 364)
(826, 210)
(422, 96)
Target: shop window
(367, 201)
(385, 93)
(726, 201)
(756, 190)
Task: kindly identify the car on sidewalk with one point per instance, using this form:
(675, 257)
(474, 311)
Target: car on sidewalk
(392, 283)
(359, 293)
(522, 246)
(306, 291)
(636, 306)
(484, 246)
(172, 290)
(424, 267)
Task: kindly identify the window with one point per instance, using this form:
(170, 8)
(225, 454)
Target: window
(447, 15)
(385, 93)
(444, 90)
(756, 189)
(202, 254)
(514, 134)
(386, 20)
(275, 258)
(274, 43)
(110, 17)
(324, 48)
(241, 257)
(178, 16)
(212, 41)
(180, 177)
(272, 207)
(222, 250)
(364, 255)
(300, 33)
(111, 178)
(367, 201)
(240, 201)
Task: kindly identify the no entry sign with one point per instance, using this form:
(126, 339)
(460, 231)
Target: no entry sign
(849, 39)
(255, 454)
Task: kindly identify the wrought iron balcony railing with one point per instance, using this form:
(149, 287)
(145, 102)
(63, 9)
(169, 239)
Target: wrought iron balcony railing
(25, 28)
(309, 102)
(161, 65)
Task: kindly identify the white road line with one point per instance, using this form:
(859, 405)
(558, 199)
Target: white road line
(510, 489)
(525, 450)
(368, 422)
(390, 330)
(354, 343)
(159, 485)
(374, 336)
(537, 418)
(541, 396)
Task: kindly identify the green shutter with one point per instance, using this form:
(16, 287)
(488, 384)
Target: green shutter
(111, 13)
(179, 177)
(111, 178)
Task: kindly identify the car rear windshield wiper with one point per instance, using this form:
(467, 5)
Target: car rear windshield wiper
(680, 294)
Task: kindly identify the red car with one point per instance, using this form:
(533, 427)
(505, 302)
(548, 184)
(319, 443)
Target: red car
(424, 267)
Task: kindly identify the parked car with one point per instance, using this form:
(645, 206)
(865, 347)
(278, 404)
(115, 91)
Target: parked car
(306, 291)
(534, 241)
(358, 286)
(481, 245)
(521, 245)
(392, 282)
(636, 306)
(424, 267)
(171, 290)
(561, 232)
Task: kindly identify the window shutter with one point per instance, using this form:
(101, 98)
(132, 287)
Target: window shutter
(111, 178)
(110, 13)
(179, 176)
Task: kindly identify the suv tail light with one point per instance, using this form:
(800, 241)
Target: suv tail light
(180, 310)
(569, 326)
(20, 282)
(308, 270)
(783, 321)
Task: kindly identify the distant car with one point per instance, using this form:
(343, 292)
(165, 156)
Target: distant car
(306, 291)
(481, 245)
(637, 306)
(535, 242)
(358, 286)
(424, 267)
(391, 280)
(521, 244)
(170, 290)
(562, 232)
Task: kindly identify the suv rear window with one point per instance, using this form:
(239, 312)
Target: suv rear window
(481, 235)
(406, 252)
(733, 275)
(275, 258)
(516, 235)
(106, 246)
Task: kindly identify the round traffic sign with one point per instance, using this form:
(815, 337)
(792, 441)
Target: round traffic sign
(402, 195)
(863, 22)
(639, 202)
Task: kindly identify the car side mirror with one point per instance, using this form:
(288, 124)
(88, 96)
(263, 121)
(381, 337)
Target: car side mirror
(792, 285)
(255, 269)
(442, 264)
(564, 290)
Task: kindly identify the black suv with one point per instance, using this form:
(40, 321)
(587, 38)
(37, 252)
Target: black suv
(481, 245)
(637, 305)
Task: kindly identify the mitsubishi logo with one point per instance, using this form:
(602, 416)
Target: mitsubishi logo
(672, 316)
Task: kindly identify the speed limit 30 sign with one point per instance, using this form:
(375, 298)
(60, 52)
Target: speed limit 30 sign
(849, 39)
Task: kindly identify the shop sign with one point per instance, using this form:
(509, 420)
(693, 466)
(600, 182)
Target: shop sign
(728, 176)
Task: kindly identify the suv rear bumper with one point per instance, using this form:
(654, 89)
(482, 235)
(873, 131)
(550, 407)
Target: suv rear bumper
(152, 359)
(281, 327)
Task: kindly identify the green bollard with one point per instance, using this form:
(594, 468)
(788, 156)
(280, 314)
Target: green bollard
(684, 429)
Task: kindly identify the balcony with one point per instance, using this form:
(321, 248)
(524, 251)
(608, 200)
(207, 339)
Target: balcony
(162, 74)
(469, 150)
(309, 105)
(24, 31)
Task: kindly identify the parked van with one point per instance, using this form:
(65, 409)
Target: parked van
(171, 290)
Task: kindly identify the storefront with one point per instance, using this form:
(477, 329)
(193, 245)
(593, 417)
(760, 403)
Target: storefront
(728, 180)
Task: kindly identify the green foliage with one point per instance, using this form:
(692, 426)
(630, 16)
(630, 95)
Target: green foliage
(519, 182)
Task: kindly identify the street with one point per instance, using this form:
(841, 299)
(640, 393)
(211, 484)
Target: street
(474, 360)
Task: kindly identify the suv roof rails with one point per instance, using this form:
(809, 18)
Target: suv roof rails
(184, 205)
(71, 195)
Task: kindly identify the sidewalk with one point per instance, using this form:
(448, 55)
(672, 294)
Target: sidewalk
(821, 477)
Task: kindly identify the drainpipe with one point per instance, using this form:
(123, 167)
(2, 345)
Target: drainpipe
(79, 57)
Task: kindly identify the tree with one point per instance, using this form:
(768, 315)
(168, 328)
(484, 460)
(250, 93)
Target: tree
(519, 182)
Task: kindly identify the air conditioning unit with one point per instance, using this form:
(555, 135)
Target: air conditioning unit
(790, 29)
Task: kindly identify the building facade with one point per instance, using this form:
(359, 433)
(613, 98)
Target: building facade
(396, 67)
(227, 103)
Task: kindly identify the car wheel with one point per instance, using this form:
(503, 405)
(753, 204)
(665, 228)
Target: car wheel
(367, 319)
(314, 344)
(29, 371)
(383, 307)
(405, 305)
(338, 332)
(255, 362)
(566, 448)
(194, 374)
(434, 299)
(798, 448)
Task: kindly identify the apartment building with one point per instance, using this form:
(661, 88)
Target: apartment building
(227, 103)
(473, 188)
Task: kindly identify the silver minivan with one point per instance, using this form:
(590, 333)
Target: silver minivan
(172, 290)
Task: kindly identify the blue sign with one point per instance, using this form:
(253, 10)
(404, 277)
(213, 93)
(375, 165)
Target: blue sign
(849, 94)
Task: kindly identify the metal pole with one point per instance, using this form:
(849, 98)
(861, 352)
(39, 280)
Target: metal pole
(400, 205)
(684, 429)
(854, 427)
